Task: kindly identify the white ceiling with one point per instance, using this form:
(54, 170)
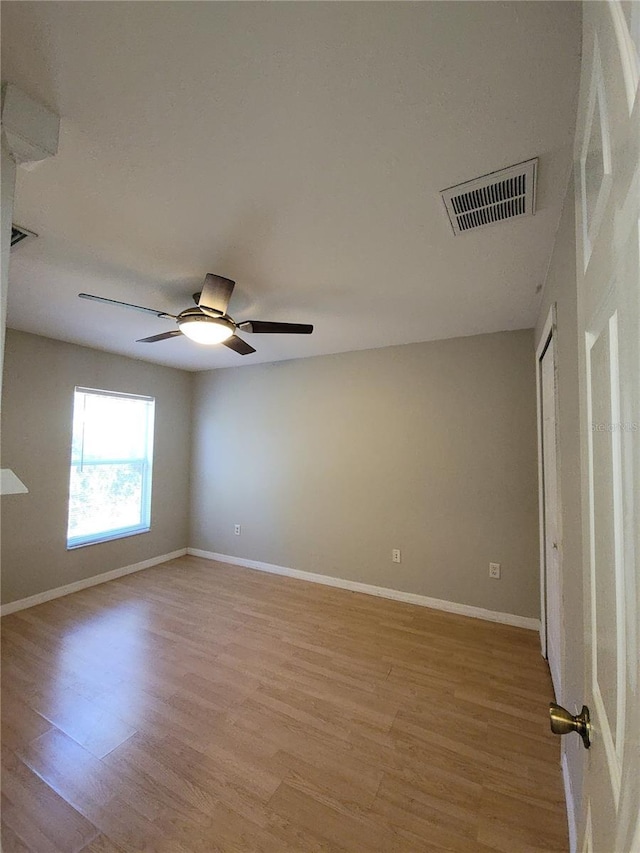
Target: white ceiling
(297, 148)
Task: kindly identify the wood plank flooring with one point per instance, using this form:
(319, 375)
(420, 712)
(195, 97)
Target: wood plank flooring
(201, 707)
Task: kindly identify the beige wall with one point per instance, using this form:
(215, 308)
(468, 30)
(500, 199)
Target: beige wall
(7, 188)
(39, 378)
(560, 288)
(330, 462)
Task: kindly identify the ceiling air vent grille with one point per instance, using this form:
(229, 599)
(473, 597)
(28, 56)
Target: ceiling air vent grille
(18, 235)
(492, 198)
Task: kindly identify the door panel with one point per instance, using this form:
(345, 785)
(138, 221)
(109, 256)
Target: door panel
(607, 156)
(607, 585)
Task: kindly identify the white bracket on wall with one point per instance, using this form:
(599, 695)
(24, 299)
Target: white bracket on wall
(11, 484)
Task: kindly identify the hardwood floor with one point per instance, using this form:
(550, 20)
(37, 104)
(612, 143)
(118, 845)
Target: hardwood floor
(201, 707)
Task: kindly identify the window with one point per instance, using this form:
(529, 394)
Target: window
(111, 460)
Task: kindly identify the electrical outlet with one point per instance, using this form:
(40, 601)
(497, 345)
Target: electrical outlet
(494, 570)
(395, 555)
(236, 529)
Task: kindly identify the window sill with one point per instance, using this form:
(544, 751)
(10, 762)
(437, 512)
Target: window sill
(108, 537)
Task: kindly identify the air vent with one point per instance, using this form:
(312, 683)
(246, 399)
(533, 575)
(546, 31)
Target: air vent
(19, 235)
(506, 194)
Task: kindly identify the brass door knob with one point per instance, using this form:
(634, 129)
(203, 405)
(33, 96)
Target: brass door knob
(562, 722)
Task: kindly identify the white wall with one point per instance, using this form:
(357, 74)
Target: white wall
(330, 462)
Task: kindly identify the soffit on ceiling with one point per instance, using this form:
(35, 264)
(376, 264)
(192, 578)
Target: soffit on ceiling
(298, 148)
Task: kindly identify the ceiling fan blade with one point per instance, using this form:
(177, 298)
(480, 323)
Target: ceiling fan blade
(126, 305)
(161, 337)
(261, 327)
(216, 293)
(238, 345)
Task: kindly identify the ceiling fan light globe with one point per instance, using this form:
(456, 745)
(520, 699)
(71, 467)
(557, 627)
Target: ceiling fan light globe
(206, 330)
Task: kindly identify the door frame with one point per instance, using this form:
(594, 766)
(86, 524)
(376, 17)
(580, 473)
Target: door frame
(549, 331)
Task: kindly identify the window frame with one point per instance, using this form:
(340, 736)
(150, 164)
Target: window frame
(145, 463)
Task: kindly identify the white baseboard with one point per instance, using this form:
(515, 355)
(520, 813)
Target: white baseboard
(76, 586)
(571, 808)
(381, 591)
(355, 586)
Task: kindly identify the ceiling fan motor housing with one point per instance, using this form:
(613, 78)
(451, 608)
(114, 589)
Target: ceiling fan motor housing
(203, 329)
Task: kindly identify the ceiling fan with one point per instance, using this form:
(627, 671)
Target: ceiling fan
(208, 323)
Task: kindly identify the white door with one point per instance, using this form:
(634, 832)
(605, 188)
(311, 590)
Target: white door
(607, 160)
(550, 517)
